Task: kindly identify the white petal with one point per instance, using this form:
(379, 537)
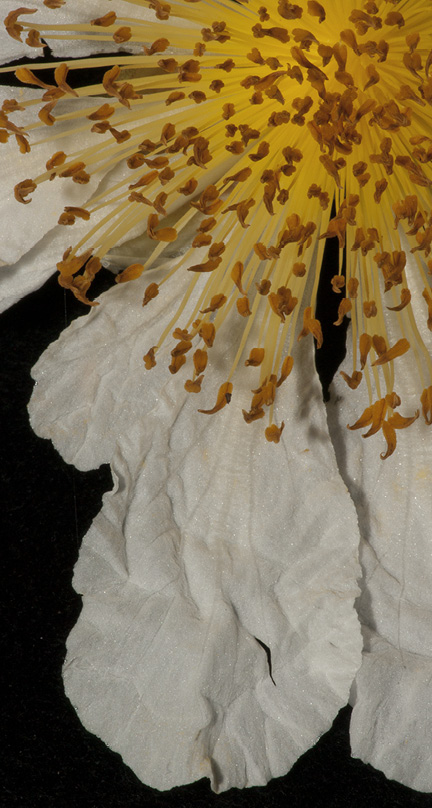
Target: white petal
(392, 718)
(210, 539)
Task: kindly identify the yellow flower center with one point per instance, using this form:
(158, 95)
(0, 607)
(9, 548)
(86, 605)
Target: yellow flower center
(244, 125)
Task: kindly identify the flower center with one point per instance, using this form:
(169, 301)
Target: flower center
(242, 125)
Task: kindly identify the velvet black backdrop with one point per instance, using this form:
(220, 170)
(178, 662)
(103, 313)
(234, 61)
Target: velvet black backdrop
(49, 760)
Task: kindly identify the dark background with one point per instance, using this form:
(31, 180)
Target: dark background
(49, 760)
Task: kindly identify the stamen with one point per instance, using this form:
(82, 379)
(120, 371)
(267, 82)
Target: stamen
(272, 91)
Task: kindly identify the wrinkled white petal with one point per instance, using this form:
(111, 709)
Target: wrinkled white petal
(392, 718)
(211, 539)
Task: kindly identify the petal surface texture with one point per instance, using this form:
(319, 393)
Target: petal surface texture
(210, 545)
(391, 723)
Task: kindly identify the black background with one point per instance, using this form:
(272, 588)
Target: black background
(49, 760)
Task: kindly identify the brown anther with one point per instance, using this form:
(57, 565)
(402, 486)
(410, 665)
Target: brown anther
(23, 189)
(336, 227)
(379, 344)
(60, 74)
(207, 332)
(354, 380)
(415, 173)
(263, 252)
(181, 333)
(181, 348)
(311, 326)
(176, 95)
(405, 299)
(217, 33)
(124, 92)
(242, 304)
(200, 358)
(348, 36)
(167, 234)
(197, 96)
(426, 402)
(369, 308)
(338, 283)
(236, 276)
(159, 203)
(380, 186)
(158, 46)
(316, 10)
(365, 344)
(276, 32)
(131, 273)
(299, 270)
(282, 302)
(209, 202)
(263, 287)
(11, 105)
(405, 209)
(331, 167)
(392, 267)
(12, 25)
(217, 85)
(24, 145)
(352, 287)
(363, 21)
(428, 298)
(193, 385)
(205, 266)
(398, 349)
(372, 416)
(108, 19)
(253, 415)
(102, 113)
(393, 400)
(45, 116)
(344, 308)
(207, 224)
(202, 240)
(136, 197)
(70, 213)
(289, 11)
(177, 362)
(162, 10)
(223, 398)
(236, 147)
(33, 39)
(28, 77)
(151, 291)
(256, 357)
(227, 65)
(239, 176)
(273, 433)
(72, 169)
(216, 302)
(286, 368)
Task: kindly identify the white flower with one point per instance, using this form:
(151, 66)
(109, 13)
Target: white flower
(214, 543)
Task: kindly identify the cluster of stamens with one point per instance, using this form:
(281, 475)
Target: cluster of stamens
(266, 100)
